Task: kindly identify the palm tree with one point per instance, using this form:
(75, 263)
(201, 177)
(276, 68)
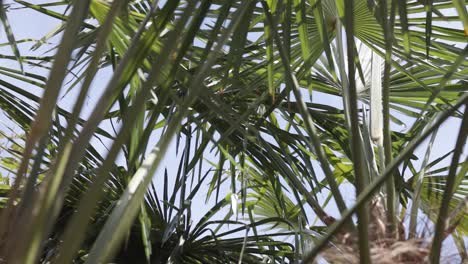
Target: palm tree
(227, 103)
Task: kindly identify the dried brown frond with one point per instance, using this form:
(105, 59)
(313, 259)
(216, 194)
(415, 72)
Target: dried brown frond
(385, 248)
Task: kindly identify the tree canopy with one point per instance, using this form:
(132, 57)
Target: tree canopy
(235, 131)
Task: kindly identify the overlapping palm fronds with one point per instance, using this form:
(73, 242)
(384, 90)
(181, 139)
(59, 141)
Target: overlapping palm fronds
(257, 108)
